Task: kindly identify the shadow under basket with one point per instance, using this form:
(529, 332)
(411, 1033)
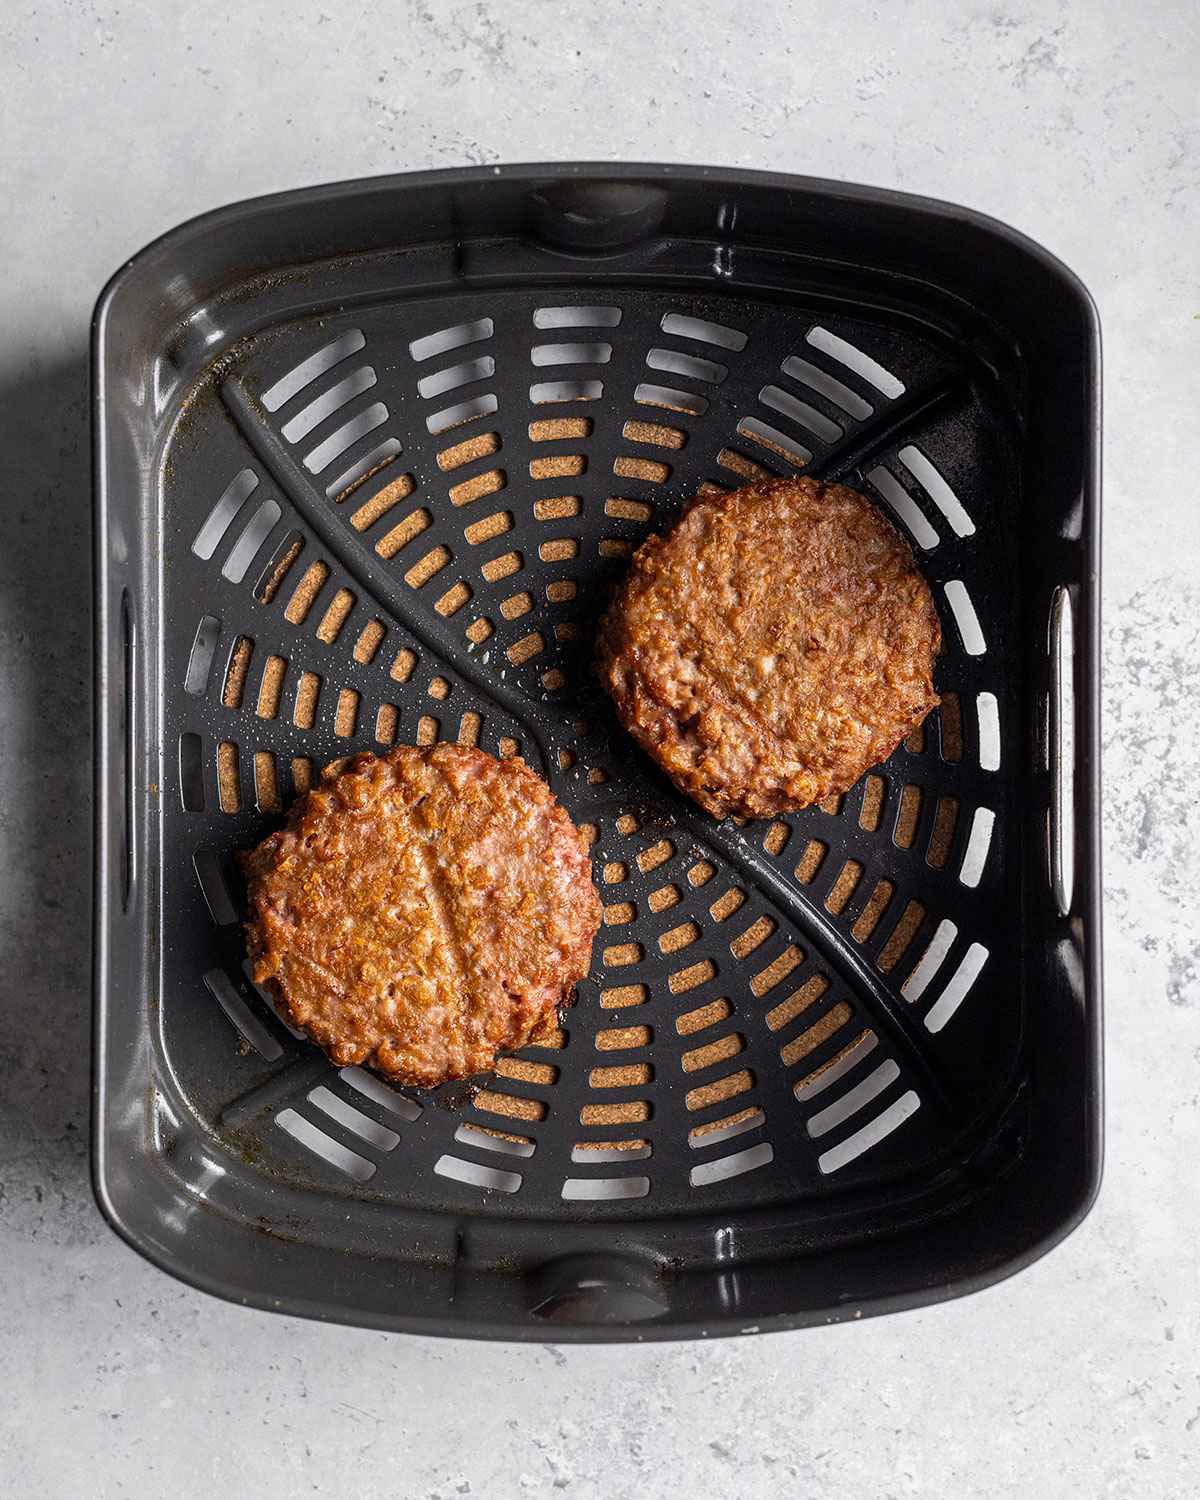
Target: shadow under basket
(368, 459)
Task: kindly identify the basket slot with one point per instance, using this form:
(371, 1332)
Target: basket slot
(857, 360)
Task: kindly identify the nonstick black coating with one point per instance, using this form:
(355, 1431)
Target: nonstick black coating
(369, 459)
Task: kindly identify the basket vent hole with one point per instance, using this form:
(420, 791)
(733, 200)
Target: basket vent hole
(988, 713)
(869, 918)
(745, 468)
(590, 1153)
(975, 858)
(672, 362)
(594, 1189)
(753, 937)
(378, 505)
(908, 813)
(428, 729)
(615, 871)
(349, 1118)
(856, 360)
(714, 1132)
(665, 897)
(482, 1139)
(346, 718)
(854, 1099)
(335, 616)
(243, 552)
(237, 672)
(278, 567)
(445, 339)
(468, 728)
(217, 523)
(526, 648)
(557, 508)
(679, 937)
(627, 823)
(620, 955)
(957, 988)
(576, 317)
(269, 1000)
(200, 658)
(965, 617)
(687, 403)
(711, 1053)
(818, 1033)
(371, 1087)
(611, 546)
(316, 365)
(774, 441)
(718, 1091)
(351, 432)
(945, 819)
(266, 783)
(191, 772)
(776, 971)
(479, 631)
(621, 1076)
(838, 1066)
(502, 567)
(302, 774)
(559, 549)
(438, 689)
(930, 961)
(804, 373)
(622, 1038)
(700, 873)
(558, 466)
(324, 1146)
(490, 482)
(364, 468)
(308, 693)
(797, 1002)
(243, 1019)
(733, 1165)
(525, 1071)
(402, 668)
(557, 429)
(623, 995)
(703, 1016)
(704, 332)
(645, 469)
(904, 507)
(506, 748)
(455, 598)
(619, 913)
(628, 510)
(657, 854)
(214, 887)
(427, 567)
(935, 486)
(460, 413)
(369, 640)
(328, 402)
(229, 784)
(656, 434)
(870, 1134)
(901, 936)
(628, 1112)
(570, 354)
(305, 592)
(688, 979)
(387, 721)
(546, 392)
(915, 743)
(483, 445)
(510, 1106)
(950, 726)
(454, 376)
(270, 687)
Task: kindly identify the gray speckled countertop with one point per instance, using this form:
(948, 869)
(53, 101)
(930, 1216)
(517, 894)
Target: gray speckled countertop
(1079, 1377)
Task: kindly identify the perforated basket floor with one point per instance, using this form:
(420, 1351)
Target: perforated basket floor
(347, 500)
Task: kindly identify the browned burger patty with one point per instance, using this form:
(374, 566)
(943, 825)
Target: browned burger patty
(422, 911)
(777, 643)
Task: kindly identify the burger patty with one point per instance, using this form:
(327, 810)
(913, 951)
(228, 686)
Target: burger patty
(422, 911)
(773, 646)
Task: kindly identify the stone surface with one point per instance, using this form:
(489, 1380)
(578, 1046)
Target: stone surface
(1078, 125)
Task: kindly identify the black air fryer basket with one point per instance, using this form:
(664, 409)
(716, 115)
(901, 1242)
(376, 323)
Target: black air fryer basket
(368, 459)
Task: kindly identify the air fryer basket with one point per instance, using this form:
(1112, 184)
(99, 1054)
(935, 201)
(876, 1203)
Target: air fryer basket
(368, 459)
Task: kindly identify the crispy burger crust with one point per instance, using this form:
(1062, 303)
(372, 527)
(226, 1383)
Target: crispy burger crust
(422, 911)
(773, 646)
